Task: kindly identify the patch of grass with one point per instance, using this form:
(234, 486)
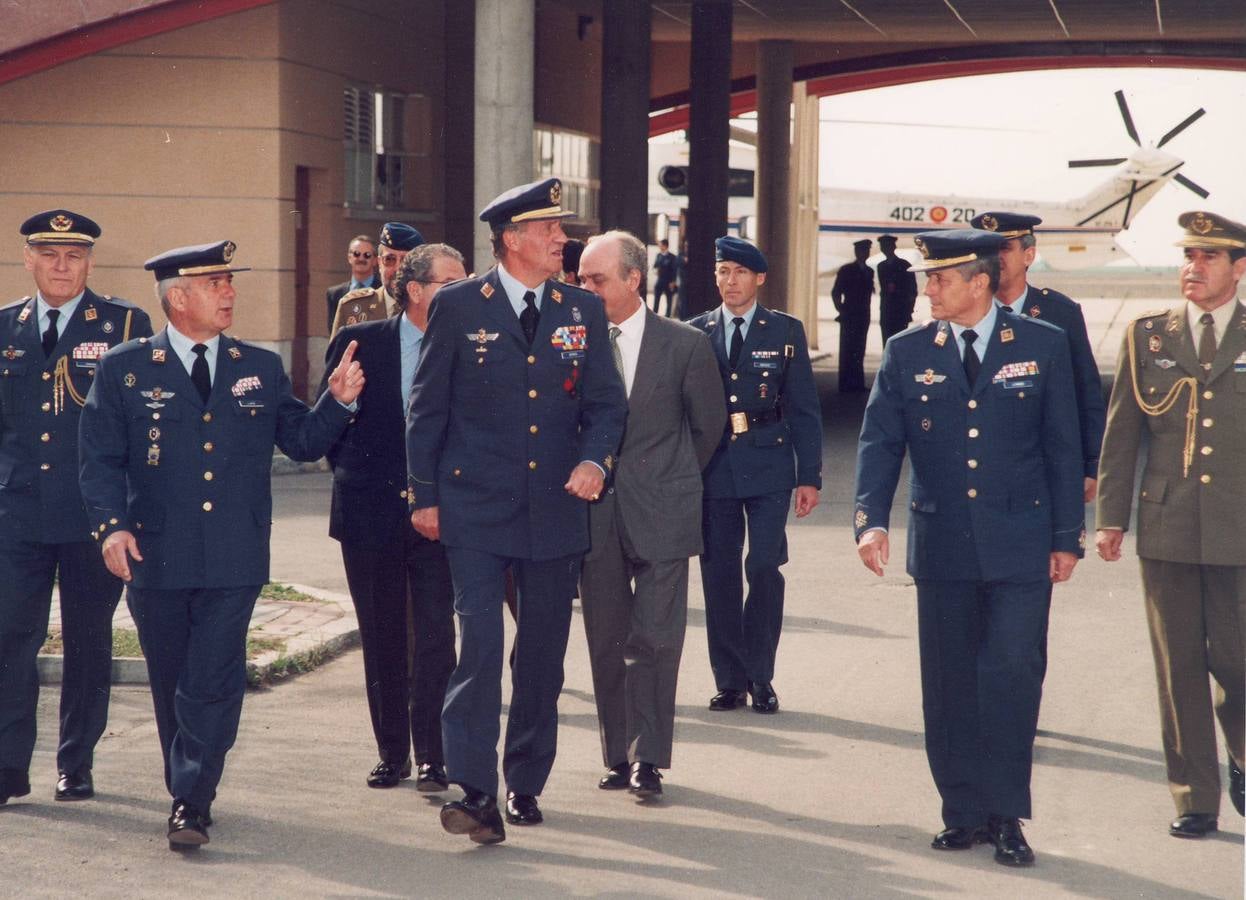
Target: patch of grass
(274, 591)
(287, 666)
(257, 645)
(124, 643)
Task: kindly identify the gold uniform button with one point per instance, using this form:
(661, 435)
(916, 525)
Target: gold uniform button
(532, 394)
(735, 377)
(207, 476)
(480, 360)
(734, 436)
(973, 464)
(532, 464)
(1205, 479)
(207, 417)
(112, 521)
(973, 432)
(458, 472)
(402, 494)
(155, 415)
(208, 446)
(47, 376)
(1206, 451)
(1207, 423)
(256, 413)
(973, 404)
(733, 398)
(925, 399)
(46, 407)
(207, 506)
(1207, 395)
(973, 492)
(765, 374)
(532, 429)
(44, 467)
(531, 360)
(45, 437)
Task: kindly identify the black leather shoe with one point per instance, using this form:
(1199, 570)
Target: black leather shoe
(388, 774)
(521, 809)
(615, 778)
(959, 838)
(1011, 848)
(75, 785)
(765, 700)
(476, 816)
(728, 699)
(187, 829)
(1237, 787)
(13, 783)
(1193, 825)
(430, 778)
(645, 780)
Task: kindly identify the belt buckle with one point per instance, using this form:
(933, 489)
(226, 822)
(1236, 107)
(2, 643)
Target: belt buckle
(739, 422)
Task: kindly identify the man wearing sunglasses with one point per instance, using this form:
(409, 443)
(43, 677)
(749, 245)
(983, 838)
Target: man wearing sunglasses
(361, 257)
(370, 304)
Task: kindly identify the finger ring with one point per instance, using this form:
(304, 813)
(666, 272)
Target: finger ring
(594, 497)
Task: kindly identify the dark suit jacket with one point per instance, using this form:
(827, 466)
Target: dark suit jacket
(334, 295)
(39, 411)
(495, 427)
(675, 419)
(192, 481)
(369, 459)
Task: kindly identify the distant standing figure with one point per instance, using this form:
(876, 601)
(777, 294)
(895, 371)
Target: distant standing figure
(361, 257)
(571, 252)
(854, 285)
(897, 289)
(666, 264)
(369, 304)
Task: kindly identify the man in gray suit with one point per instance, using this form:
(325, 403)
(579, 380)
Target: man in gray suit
(634, 583)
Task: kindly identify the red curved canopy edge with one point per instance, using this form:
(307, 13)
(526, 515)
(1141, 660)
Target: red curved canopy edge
(114, 32)
(672, 111)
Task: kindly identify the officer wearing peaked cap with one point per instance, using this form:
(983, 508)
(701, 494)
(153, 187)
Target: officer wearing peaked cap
(369, 304)
(49, 347)
(772, 444)
(516, 414)
(851, 293)
(1016, 295)
(1180, 393)
(983, 404)
(176, 447)
(897, 289)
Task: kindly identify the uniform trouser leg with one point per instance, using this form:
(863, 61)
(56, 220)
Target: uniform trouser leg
(89, 594)
(981, 665)
(196, 639)
(26, 572)
(432, 648)
(722, 582)
(1197, 618)
(852, 336)
(763, 607)
(376, 576)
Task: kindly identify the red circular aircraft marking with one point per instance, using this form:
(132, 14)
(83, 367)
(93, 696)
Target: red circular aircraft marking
(938, 214)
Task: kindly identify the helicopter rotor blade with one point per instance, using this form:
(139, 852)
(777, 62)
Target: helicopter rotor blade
(1198, 189)
(1129, 121)
(1186, 123)
(1087, 163)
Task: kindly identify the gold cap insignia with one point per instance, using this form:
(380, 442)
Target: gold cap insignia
(990, 223)
(61, 223)
(555, 192)
(1200, 224)
(227, 252)
(922, 248)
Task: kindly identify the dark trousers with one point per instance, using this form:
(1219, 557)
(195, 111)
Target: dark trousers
(195, 642)
(88, 596)
(743, 632)
(635, 615)
(853, 330)
(668, 288)
(470, 719)
(404, 602)
(982, 664)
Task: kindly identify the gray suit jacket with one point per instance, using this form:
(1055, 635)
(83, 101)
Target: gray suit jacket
(676, 415)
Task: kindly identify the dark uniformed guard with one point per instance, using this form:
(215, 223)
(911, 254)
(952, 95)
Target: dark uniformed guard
(1020, 298)
(369, 304)
(176, 453)
(1180, 391)
(361, 257)
(515, 417)
(399, 580)
(983, 402)
(51, 344)
(897, 289)
(772, 444)
(851, 293)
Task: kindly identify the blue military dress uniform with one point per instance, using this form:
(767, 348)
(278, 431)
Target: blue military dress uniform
(43, 526)
(995, 488)
(772, 443)
(191, 481)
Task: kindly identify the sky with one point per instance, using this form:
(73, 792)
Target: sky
(1010, 136)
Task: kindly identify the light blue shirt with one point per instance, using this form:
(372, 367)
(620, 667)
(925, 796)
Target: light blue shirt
(183, 347)
(515, 289)
(409, 339)
(729, 325)
(983, 329)
(65, 309)
(1016, 305)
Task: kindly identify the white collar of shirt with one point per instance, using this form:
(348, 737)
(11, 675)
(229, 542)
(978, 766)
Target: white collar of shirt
(1221, 316)
(982, 329)
(631, 331)
(183, 346)
(1018, 305)
(65, 309)
(515, 289)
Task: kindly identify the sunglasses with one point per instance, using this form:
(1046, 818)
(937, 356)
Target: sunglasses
(361, 254)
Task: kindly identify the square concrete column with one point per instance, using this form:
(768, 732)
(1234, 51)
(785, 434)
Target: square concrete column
(774, 152)
(625, 116)
(505, 57)
(802, 255)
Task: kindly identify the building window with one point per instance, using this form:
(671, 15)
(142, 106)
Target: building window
(576, 160)
(385, 136)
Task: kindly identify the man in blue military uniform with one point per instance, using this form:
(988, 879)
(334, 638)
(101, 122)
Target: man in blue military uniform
(772, 444)
(983, 402)
(516, 414)
(897, 289)
(176, 455)
(51, 344)
(1017, 296)
(368, 304)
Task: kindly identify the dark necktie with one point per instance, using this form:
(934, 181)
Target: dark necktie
(737, 341)
(617, 352)
(972, 363)
(529, 317)
(199, 371)
(50, 336)
(1206, 342)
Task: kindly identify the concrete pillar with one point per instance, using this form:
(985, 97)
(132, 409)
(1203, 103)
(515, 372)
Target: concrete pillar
(506, 39)
(708, 131)
(774, 153)
(625, 116)
(459, 127)
(803, 247)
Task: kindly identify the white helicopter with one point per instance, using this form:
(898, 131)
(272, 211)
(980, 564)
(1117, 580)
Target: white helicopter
(1075, 234)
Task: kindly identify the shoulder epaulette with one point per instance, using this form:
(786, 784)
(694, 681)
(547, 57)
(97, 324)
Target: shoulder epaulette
(21, 302)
